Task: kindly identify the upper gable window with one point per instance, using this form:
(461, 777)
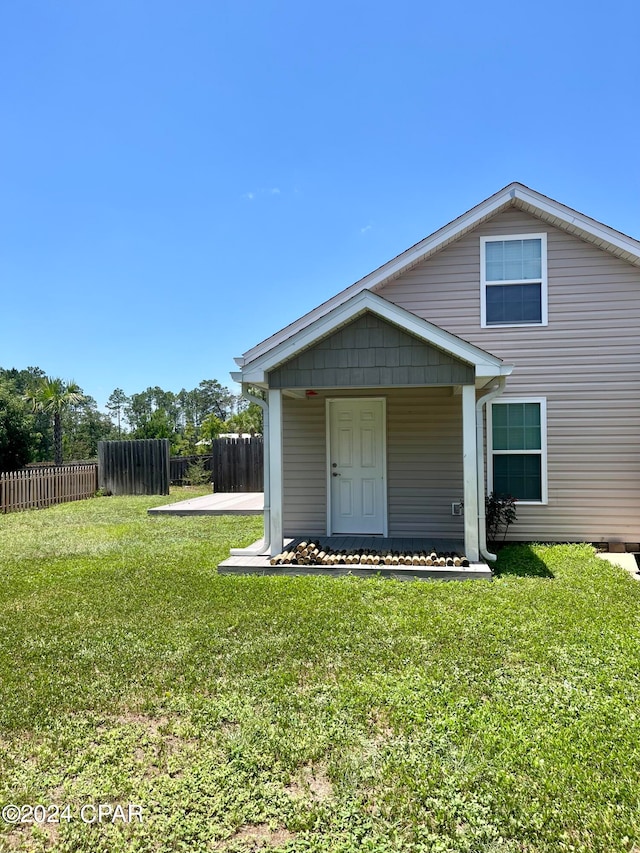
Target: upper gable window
(514, 280)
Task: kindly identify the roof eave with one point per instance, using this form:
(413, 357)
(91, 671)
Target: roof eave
(577, 223)
(485, 363)
(515, 194)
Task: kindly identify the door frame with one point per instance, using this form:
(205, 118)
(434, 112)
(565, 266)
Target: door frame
(385, 508)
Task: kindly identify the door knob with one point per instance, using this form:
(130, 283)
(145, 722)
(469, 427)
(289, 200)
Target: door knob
(336, 474)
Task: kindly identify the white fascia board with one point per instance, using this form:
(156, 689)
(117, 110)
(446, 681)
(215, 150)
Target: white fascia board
(514, 192)
(392, 268)
(254, 377)
(304, 321)
(255, 372)
(433, 334)
(489, 371)
(590, 227)
(432, 243)
(303, 339)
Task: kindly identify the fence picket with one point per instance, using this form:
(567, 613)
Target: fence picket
(35, 488)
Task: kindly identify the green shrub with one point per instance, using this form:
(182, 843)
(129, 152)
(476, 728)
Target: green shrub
(196, 474)
(500, 513)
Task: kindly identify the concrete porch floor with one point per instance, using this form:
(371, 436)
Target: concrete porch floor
(259, 563)
(223, 503)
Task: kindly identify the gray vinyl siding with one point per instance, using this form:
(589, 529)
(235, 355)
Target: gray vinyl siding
(424, 462)
(304, 467)
(370, 352)
(586, 363)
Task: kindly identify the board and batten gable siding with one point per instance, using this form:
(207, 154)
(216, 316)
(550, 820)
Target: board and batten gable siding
(586, 362)
(371, 352)
(424, 461)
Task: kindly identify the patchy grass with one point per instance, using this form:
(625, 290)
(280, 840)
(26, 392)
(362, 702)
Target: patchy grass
(309, 714)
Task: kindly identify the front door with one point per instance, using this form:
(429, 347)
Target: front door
(357, 466)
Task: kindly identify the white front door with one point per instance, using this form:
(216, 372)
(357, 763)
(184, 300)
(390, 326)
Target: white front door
(357, 466)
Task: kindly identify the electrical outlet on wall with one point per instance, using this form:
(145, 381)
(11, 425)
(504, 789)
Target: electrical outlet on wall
(456, 508)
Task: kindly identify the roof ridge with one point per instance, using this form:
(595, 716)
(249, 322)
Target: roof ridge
(515, 193)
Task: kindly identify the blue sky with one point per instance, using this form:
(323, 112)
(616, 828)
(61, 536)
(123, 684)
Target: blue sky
(180, 180)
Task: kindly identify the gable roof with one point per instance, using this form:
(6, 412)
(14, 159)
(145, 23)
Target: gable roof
(486, 365)
(514, 195)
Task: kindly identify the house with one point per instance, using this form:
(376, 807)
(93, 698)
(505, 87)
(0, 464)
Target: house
(501, 353)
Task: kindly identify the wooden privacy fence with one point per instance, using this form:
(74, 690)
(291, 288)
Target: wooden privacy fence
(179, 468)
(139, 467)
(36, 488)
(235, 465)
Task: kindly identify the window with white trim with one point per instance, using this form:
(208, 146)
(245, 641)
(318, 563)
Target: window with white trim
(517, 449)
(513, 273)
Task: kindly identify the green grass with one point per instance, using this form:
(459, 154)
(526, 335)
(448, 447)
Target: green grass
(309, 714)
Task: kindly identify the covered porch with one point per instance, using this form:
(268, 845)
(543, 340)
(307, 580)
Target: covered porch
(373, 427)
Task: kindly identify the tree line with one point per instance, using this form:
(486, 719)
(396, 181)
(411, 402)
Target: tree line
(45, 419)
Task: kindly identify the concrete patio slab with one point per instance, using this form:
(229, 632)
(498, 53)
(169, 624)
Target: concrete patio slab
(224, 503)
(625, 561)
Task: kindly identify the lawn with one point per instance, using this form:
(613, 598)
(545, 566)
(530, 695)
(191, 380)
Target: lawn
(307, 714)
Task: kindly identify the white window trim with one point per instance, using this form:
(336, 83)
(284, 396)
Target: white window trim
(544, 312)
(542, 401)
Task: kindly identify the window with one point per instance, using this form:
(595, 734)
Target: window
(514, 280)
(517, 446)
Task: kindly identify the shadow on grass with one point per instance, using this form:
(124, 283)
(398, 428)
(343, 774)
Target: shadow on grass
(521, 561)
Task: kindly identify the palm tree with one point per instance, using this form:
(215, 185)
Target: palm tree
(53, 396)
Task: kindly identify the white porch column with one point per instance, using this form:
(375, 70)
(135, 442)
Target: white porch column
(275, 466)
(470, 473)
